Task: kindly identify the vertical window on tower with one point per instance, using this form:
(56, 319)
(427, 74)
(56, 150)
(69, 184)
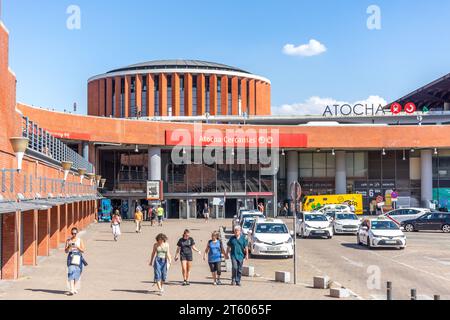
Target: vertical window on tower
(248, 96)
(156, 79)
(133, 97)
(113, 97)
(194, 95)
(144, 97)
(169, 95)
(219, 96)
(207, 96)
(182, 95)
(122, 97)
(230, 87)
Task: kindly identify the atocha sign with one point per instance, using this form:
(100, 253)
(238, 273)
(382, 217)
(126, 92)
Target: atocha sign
(359, 109)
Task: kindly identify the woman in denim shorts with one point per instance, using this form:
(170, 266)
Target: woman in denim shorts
(161, 260)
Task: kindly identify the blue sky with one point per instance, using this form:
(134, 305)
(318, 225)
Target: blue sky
(53, 63)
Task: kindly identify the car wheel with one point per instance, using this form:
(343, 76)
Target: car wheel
(446, 228)
(409, 228)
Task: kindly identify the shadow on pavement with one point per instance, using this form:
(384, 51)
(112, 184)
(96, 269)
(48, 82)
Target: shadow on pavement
(134, 291)
(354, 246)
(359, 247)
(48, 291)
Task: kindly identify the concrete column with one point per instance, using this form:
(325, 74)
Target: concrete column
(154, 163)
(292, 169)
(446, 106)
(341, 172)
(426, 159)
(86, 151)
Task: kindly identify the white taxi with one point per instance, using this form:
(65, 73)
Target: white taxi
(312, 224)
(270, 237)
(381, 232)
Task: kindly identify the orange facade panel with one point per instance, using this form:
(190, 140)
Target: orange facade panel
(138, 92)
(127, 97)
(188, 95)
(244, 95)
(176, 95)
(109, 97)
(102, 98)
(118, 88)
(251, 97)
(235, 96)
(201, 90)
(213, 94)
(224, 95)
(150, 96)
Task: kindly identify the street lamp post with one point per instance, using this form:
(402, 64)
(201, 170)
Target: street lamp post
(296, 193)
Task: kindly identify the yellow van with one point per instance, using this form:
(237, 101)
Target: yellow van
(311, 203)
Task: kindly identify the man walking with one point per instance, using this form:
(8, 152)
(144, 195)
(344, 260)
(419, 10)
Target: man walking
(238, 251)
(160, 212)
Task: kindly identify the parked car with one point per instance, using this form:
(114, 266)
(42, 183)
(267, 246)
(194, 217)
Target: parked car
(403, 214)
(429, 221)
(270, 237)
(237, 221)
(311, 224)
(345, 223)
(381, 232)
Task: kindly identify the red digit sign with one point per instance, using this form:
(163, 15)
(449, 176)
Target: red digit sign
(410, 108)
(396, 108)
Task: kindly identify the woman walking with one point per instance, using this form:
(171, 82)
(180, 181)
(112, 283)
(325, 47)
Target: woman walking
(215, 250)
(115, 224)
(75, 261)
(138, 218)
(161, 260)
(184, 251)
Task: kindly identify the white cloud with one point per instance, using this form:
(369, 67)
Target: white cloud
(313, 48)
(316, 105)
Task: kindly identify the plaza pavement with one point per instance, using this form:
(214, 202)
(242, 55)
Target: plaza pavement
(120, 270)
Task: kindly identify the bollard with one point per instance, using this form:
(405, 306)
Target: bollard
(389, 291)
(413, 294)
(437, 297)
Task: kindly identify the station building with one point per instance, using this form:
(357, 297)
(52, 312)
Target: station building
(368, 150)
(136, 113)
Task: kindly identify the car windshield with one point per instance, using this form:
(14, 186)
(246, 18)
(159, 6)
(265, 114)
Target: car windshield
(247, 223)
(271, 228)
(384, 225)
(346, 216)
(315, 217)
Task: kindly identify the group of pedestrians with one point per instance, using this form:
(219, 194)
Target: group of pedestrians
(161, 258)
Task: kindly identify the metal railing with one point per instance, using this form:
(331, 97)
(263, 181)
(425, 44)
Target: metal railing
(46, 145)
